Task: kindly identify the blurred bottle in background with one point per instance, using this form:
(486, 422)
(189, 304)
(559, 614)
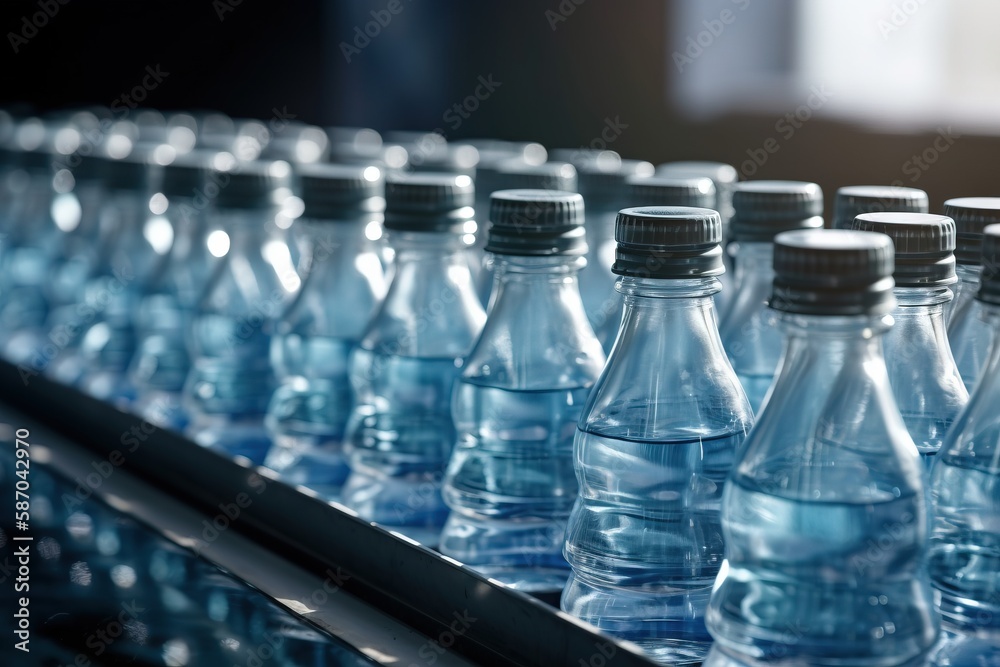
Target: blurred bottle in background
(401, 433)
(925, 381)
(342, 285)
(854, 200)
(231, 381)
(655, 443)
(510, 482)
(762, 209)
(970, 335)
(828, 471)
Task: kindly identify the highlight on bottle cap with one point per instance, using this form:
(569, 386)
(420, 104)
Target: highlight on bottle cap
(854, 200)
(924, 243)
(833, 272)
(668, 242)
(971, 216)
(429, 202)
(536, 223)
(762, 209)
(694, 191)
(340, 192)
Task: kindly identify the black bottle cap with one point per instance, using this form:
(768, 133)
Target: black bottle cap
(668, 242)
(671, 191)
(185, 175)
(602, 181)
(924, 243)
(853, 200)
(971, 216)
(341, 192)
(833, 272)
(989, 287)
(247, 185)
(762, 209)
(429, 202)
(536, 223)
(516, 174)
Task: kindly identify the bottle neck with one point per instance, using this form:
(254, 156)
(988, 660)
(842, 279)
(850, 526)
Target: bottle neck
(922, 301)
(667, 309)
(333, 245)
(969, 273)
(754, 263)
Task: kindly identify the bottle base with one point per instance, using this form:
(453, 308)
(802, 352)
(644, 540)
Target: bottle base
(234, 438)
(410, 505)
(300, 462)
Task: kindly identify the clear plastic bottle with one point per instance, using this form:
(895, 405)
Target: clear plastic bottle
(825, 514)
(659, 191)
(401, 434)
(510, 482)
(231, 381)
(164, 316)
(655, 443)
(515, 174)
(602, 182)
(970, 335)
(342, 285)
(965, 489)
(925, 381)
(854, 200)
(749, 332)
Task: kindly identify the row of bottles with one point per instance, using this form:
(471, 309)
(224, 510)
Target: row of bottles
(556, 430)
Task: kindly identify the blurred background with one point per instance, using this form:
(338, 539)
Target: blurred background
(833, 91)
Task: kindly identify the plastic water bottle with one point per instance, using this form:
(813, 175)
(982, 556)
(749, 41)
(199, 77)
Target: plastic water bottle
(510, 482)
(165, 313)
(603, 184)
(513, 174)
(965, 542)
(659, 191)
(925, 381)
(657, 439)
(342, 286)
(825, 515)
(401, 433)
(231, 382)
(749, 333)
(724, 177)
(970, 335)
(854, 200)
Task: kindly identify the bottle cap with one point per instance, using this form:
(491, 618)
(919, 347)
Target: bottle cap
(724, 177)
(129, 173)
(668, 242)
(853, 200)
(989, 287)
(429, 202)
(185, 175)
(247, 185)
(516, 174)
(536, 223)
(671, 191)
(971, 216)
(340, 192)
(762, 209)
(924, 243)
(833, 272)
(602, 181)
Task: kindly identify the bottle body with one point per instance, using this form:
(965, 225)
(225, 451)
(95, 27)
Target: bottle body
(308, 414)
(925, 380)
(749, 332)
(230, 382)
(597, 284)
(400, 434)
(825, 516)
(655, 444)
(510, 482)
(970, 335)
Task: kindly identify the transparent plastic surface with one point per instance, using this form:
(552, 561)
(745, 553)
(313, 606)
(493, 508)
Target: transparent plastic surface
(310, 353)
(924, 378)
(400, 434)
(970, 335)
(231, 381)
(510, 483)
(597, 284)
(655, 444)
(749, 332)
(825, 516)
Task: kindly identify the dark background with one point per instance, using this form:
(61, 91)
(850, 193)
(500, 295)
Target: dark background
(608, 60)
